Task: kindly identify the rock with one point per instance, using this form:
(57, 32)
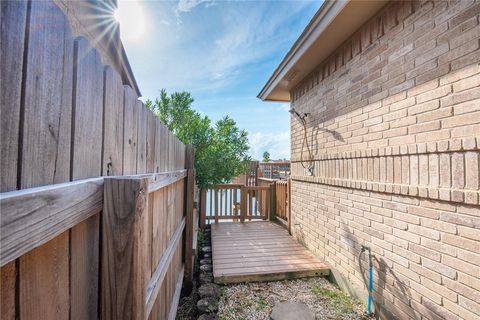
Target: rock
(291, 311)
(206, 278)
(208, 316)
(209, 290)
(207, 255)
(207, 305)
(205, 261)
(207, 249)
(206, 268)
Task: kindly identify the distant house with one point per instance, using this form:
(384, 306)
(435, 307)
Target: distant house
(388, 94)
(275, 169)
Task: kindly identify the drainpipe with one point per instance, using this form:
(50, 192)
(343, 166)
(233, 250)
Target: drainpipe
(370, 277)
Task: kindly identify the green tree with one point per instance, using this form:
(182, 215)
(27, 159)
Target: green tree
(220, 148)
(266, 156)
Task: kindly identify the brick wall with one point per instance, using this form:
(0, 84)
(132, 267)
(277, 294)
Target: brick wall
(395, 134)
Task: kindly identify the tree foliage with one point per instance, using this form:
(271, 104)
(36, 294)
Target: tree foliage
(220, 148)
(266, 156)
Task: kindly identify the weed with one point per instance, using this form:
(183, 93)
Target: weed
(341, 302)
(262, 303)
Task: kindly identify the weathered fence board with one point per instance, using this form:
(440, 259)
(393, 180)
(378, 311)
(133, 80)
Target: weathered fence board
(47, 98)
(112, 158)
(44, 157)
(161, 269)
(87, 111)
(12, 39)
(130, 131)
(12, 35)
(34, 216)
(44, 281)
(86, 162)
(141, 138)
(151, 141)
(123, 285)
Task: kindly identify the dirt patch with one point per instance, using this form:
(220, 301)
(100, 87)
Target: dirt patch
(254, 301)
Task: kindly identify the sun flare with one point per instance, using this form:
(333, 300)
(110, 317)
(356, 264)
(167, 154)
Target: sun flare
(131, 17)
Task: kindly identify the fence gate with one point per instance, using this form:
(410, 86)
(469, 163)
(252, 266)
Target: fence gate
(236, 202)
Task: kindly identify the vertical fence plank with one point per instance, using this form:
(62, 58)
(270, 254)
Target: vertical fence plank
(112, 158)
(272, 203)
(141, 138)
(45, 137)
(158, 146)
(216, 213)
(13, 17)
(163, 147)
(86, 162)
(123, 255)
(129, 131)
(189, 224)
(203, 208)
(88, 111)
(151, 142)
(44, 281)
(12, 37)
(47, 98)
(243, 203)
(289, 206)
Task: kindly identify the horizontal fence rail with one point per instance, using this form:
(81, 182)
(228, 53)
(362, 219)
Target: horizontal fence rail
(32, 217)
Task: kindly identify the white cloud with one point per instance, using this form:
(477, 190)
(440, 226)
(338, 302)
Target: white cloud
(278, 145)
(188, 5)
(285, 107)
(214, 47)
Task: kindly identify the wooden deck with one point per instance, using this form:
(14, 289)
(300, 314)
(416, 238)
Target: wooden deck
(260, 251)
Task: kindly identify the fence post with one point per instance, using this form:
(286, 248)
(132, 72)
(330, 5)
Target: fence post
(243, 203)
(203, 208)
(124, 278)
(215, 193)
(189, 204)
(289, 206)
(273, 201)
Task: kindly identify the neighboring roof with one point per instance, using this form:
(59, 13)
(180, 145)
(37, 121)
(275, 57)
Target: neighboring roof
(333, 23)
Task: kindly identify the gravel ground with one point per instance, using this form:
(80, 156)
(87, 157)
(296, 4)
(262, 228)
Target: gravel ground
(254, 301)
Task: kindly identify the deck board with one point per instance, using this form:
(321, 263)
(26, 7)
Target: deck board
(260, 251)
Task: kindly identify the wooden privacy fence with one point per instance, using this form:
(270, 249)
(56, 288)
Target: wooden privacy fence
(68, 125)
(142, 270)
(236, 202)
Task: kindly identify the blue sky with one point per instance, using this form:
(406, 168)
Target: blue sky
(222, 52)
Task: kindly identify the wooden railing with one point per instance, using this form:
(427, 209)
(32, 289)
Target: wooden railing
(236, 202)
(281, 190)
(281, 201)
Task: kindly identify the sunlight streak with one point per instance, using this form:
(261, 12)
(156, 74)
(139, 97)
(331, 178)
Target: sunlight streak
(131, 16)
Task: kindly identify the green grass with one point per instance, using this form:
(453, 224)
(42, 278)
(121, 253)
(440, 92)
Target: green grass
(261, 303)
(340, 301)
